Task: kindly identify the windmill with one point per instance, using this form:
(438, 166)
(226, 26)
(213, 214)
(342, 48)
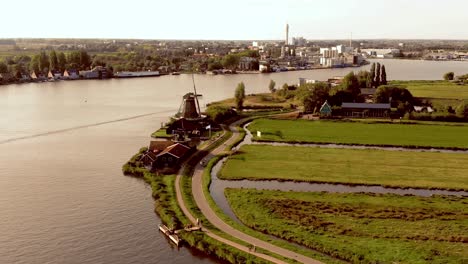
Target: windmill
(190, 106)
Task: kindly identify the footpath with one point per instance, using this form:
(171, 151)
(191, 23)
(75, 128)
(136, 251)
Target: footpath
(203, 205)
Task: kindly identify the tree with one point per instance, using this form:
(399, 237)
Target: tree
(53, 60)
(312, 96)
(231, 61)
(399, 96)
(449, 76)
(363, 77)
(372, 74)
(3, 67)
(35, 63)
(369, 81)
(219, 113)
(351, 84)
(240, 96)
(271, 86)
(62, 61)
(383, 76)
(377, 75)
(43, 62)
(462, 110)
(85, 59)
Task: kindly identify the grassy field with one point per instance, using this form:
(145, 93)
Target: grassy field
(371, 167)
(361, 228)
(447, 136)
(435, 89)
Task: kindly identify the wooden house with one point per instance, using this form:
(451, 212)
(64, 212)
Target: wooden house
(71, 74)
(37, 76)
(365, 110)
(172, 156)
(163, 154)
(54, 75)
(326, 109)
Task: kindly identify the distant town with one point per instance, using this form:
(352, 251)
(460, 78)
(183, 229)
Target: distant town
(27, 60)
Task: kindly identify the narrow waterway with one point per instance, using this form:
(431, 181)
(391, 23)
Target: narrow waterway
(218, 186)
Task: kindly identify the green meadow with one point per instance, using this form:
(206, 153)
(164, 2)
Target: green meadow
(394, 134)
(361, 228)
(435, 89)
(349, 166)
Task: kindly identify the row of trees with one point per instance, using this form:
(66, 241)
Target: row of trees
(43, 62)
(377, 76)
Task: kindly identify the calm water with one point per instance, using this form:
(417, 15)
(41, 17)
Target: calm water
(63, 198)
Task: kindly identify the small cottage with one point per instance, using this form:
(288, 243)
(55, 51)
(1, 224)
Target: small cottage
(71, 74)
(325, 110)
(163, 154)
(172, 156)
(37, 76)
(54, 75)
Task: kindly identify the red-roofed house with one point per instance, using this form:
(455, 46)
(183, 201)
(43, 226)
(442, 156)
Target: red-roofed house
(172, 155)
(163, 154)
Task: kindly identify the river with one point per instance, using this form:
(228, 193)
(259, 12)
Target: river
(63, 197)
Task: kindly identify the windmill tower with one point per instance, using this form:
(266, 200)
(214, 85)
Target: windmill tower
(190, 107)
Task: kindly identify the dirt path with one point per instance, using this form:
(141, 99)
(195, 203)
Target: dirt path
(202, 203)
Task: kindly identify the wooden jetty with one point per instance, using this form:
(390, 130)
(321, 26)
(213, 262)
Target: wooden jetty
(172, 235)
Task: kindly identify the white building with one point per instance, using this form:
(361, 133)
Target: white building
(303, 81)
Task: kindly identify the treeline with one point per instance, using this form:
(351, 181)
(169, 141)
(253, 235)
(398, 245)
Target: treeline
(312, 96)
(43, 62)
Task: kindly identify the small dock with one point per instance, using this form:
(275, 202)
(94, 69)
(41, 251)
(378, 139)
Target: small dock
(173, 235)
(170, 234)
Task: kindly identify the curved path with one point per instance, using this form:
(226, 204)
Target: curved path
(203, 205)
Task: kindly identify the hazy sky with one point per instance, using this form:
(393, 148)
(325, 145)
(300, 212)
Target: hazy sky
(235, 19)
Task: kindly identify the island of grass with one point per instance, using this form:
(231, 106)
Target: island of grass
(349, 166)
(361, 228)
(451, 136)
(258, 101)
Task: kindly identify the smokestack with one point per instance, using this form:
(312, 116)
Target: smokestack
(287, 34)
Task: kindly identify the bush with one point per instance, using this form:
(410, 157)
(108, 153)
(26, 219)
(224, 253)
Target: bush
(449, 76)
(442, 117)
(219, 114)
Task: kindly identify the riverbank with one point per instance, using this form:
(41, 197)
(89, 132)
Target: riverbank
(167, 208)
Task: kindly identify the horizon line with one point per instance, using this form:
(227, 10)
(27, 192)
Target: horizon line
(168, 39)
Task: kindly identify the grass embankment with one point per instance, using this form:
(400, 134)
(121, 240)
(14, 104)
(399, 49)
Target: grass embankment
(361, 228)
(166, 206)
(259, 101)
(360, 133)
(161, 133)
(435, 89)
(349, 166)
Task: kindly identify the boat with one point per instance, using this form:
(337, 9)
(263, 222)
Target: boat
(136, 74)
(175, 73)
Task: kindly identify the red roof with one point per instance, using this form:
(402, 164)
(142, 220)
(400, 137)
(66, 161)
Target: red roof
(177, 150)
(158, 146)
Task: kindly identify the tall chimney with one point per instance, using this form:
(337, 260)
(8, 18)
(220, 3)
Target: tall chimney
(287, 35)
